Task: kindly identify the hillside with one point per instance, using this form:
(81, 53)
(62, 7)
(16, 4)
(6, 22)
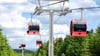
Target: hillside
(19, 51)
(26, 53)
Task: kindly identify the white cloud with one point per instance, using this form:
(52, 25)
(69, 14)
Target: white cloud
(82, 3)
(61, 29)
(13, 32)
(11, 17)
(92, 13)
(87, 1)
(19, 32)
(44, 32)
(17, 7)
(57, 29)
(12, 20)
(59, 5)
(11, 39)
(60, 36)
(34, 20)
(26, 8)
(2, 8)
(13, 1)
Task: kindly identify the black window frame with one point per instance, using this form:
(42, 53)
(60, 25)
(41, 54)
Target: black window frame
(34, 27)
(23, 45)
(78, 27)
(39, 42)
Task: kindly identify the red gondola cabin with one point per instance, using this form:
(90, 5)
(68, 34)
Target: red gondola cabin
(78, 28)
(39, 43)
(33, 28)
(22, 46)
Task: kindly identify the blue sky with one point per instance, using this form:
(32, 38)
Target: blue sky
(14, 18)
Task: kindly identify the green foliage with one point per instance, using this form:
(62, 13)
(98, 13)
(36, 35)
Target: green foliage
(5, 49)
(95, 47)
(74, 46)
(63, 54)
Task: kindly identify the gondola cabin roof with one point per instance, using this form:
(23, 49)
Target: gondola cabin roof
(30, 24)
(78, 21)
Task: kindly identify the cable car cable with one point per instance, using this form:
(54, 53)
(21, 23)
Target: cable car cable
(85, 8)
(39, 2)
(31, 17)
(82, 13)
(53, 3)
(63, 6)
